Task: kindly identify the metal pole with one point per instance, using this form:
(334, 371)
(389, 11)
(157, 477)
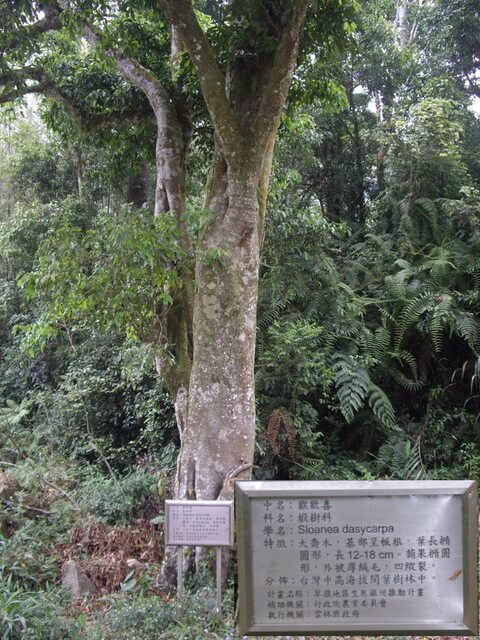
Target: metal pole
(219, 580)
(179, 572)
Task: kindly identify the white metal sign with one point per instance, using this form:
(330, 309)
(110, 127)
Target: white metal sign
(357, 557)
(206, 523)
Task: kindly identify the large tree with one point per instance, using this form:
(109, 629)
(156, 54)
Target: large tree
(203, 325)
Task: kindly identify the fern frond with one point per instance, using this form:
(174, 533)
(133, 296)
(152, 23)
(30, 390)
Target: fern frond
(374, 345)
(382, 407)
(353, 384)
(410, 314)
(468, 327)
(470, 263)
(439, 265)
(407, 358)
(396, 284)
(439, 319)
(392, 455)
(407, 383)
(274, 311)
(414, 468)
(309, 468)
(400, 459)
(387, 315)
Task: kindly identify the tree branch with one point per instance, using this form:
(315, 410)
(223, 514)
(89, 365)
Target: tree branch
(170, 148)
(50, 22)
(274, 93)
(181, 16)
(20, 92)
(136, 74)
(18, 79)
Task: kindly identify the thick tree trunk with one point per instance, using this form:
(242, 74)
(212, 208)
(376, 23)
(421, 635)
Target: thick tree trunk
(216, 409)
(221, 390)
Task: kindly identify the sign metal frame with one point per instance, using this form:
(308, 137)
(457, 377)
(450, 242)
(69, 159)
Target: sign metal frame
(245, 491)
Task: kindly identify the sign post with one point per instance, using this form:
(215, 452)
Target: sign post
(199, 523)
(337, 558)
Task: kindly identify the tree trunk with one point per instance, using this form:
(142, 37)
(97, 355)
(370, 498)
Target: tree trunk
(211, 377)
(221, 390)
(137, 187)
(400, 24)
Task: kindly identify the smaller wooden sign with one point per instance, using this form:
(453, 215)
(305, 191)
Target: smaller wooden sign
(203, 523)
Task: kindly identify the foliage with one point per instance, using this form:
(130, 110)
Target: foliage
(114, 500)
(34, 615)
(115, 274)
(108, 403)
(193, 617)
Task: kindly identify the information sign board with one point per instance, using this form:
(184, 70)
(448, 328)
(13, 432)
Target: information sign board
(206, 523)
(357, 557)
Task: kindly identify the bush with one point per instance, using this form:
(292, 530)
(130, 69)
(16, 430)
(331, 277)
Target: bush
(33, 615)
(26, 561)
(113, 501)
(193, 618)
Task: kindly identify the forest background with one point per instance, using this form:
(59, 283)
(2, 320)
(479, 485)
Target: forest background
(368, 326)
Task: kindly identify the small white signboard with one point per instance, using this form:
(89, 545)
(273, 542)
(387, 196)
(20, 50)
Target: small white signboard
(203, 523)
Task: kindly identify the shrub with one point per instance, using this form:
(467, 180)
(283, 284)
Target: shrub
(113, 500)
(192, 618)
(33, 615)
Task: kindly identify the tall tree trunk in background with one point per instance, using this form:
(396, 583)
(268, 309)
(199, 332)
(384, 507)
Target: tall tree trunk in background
(381, 151)
(79, 169)
(401, 25)
(137, 187)
(359, 182)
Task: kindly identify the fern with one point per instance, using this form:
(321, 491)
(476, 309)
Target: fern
(310, 468)
(468, 327)
(407, 383)
(414, 468)
(374, 345)
(406, 358)
(410, 315)
(355, 387)
(382, 407)
(395, 285)
(399, 459)
(381, 342)
(439, 318)
(439, 264)
(353, 384)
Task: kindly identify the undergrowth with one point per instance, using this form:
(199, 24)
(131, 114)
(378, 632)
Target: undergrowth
(147, 618)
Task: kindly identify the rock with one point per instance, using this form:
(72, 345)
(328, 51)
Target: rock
(4, 525)
(9, 486)
(76, 582)
(135, 565)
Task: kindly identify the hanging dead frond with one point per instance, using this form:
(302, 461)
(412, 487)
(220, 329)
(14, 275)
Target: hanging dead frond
(280, 434)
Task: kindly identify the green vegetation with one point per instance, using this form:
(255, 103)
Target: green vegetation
(367, 359)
